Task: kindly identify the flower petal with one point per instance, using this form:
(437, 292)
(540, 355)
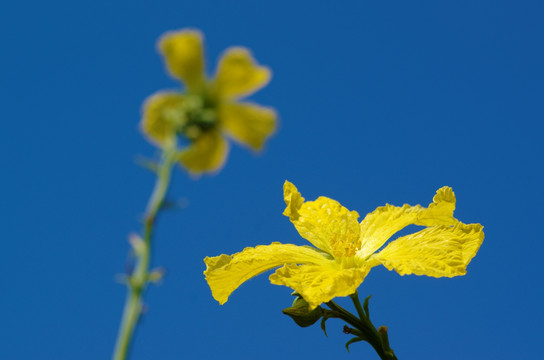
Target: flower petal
(378, 226)
(161, 117)
(435, 251)
(320, 283)
(184, 55)
(225, 273)
(238, 75)
(323, 222)
(247, 123)
(207, 153)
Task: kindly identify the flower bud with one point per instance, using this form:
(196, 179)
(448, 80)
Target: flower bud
(302, 315)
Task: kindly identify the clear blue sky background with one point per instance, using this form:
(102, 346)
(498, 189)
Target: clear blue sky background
(378, 103)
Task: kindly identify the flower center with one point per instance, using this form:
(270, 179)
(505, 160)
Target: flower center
(199, 116)
(344, 245)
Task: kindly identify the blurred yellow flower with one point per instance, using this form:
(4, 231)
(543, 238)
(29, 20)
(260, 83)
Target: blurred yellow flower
(207, 109)
(345, 250)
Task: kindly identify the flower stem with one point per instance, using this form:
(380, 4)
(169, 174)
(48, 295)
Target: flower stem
(364, 329)
(355, 298)
(344, 314)
(138, 280)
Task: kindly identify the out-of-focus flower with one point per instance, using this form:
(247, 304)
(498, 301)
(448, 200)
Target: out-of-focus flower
(208, 109)
(345, 250)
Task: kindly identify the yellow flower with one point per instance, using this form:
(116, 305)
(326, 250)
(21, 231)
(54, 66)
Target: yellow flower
(207, 109)
(345, 250)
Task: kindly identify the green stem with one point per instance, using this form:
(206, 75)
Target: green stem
(137, 282)
(369, 334)
(355, 298)
(344, 314)
(376, 338)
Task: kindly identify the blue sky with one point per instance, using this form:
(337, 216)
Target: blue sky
(378, 103)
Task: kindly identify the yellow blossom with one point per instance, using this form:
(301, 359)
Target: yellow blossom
(208, 109)
(345, 250)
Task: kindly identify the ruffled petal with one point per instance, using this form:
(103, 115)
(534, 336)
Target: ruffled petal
(323, 222)
(436, 251)
(238, 74)
(161, 116)
(318, 284)
(247, 123)
(440, 211)
(207, 153)
(378, 226)
(225, 273)
(293, 200)
(184, 55)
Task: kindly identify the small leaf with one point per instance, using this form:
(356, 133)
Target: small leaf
(354, 340)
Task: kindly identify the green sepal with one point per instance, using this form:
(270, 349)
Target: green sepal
(354, 340)
(302, 315)
(323, 325)
(327, 314)
(365, 307)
